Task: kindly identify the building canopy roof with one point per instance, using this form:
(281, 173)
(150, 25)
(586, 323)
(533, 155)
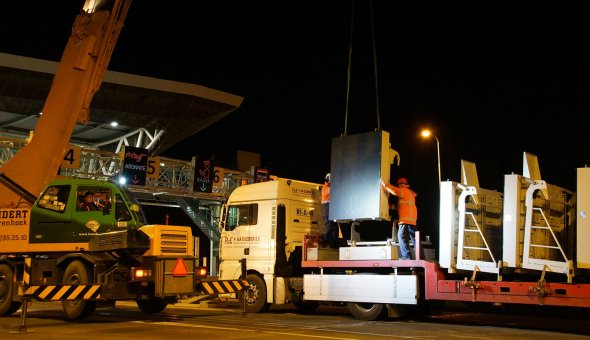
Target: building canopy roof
(133, 101)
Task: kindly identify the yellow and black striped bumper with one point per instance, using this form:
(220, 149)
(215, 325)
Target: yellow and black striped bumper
(61, 292)
(221, 287)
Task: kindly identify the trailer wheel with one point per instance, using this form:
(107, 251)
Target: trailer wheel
(152, 306)
(77, 273)
(255, 295)
(367, 311)
(7, 305)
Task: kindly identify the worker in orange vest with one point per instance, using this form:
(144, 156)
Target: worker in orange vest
(330, 237)
(407, 214)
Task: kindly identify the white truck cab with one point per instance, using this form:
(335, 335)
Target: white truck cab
(265, 224)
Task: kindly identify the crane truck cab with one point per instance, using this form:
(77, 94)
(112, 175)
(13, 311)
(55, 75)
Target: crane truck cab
(265, 223)
(59, 220)
(73, 210)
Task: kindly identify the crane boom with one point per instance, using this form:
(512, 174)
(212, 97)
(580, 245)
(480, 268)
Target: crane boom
(78, 77)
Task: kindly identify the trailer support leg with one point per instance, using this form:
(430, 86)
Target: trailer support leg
(23, 318)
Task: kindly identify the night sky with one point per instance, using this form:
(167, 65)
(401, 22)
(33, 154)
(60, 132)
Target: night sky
(493, 80)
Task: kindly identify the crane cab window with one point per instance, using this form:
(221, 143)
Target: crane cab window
(239, 215)
(90, 199)
(121, 211)
(55, 198)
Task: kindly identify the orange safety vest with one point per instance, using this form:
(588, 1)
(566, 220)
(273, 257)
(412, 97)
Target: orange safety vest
(326, 193)
(407, 210)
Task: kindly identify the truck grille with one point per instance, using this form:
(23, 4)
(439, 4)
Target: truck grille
(169, 240)
(131, 239)
(114, 241)
(174, 242)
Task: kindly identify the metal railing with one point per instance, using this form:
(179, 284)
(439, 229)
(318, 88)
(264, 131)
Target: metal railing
(175, 180)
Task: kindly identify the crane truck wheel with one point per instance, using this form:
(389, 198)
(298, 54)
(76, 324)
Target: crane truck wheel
(7, 305)
(367, 311)
(255, 295)
(152, 306)
(77, 273)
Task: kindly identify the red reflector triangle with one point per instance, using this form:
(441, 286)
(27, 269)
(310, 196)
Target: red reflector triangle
(179, 268)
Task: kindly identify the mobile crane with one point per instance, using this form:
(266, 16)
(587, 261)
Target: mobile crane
(50, 248)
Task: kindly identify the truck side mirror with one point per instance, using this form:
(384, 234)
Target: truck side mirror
(223, 217)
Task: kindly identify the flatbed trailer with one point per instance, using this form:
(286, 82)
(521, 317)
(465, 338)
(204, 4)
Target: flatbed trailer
(438, 285)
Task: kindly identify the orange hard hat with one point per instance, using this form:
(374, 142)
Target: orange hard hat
(401, 180)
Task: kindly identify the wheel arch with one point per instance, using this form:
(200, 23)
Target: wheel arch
(11, 262)
(16, 264)
(269, 284)
(63, 261)
(91, 260)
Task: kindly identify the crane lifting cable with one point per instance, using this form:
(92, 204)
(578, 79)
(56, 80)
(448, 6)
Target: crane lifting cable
(348, 73)
(375, 68)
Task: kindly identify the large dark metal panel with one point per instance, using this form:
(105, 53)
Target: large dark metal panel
(356, 165)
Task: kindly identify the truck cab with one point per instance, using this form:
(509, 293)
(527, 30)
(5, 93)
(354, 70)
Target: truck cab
(265, 223)
(73, 210)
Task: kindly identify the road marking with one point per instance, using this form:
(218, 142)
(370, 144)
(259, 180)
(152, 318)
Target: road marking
(165, 323)
(193, 325)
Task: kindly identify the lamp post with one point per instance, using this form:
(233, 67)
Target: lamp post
(426, 134)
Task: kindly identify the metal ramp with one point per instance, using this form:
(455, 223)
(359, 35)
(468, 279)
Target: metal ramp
(174, 185)
(470, 224)
(479, 225)
(543, 249)
(188, 204)
(199, 218)
(537, 236)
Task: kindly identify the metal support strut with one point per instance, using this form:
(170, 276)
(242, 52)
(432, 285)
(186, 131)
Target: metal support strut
(243, 263)
(540, 289)
(471, 284)
(23, 318)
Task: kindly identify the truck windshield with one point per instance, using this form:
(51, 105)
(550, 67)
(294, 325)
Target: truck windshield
(139, 216)
(243, 214)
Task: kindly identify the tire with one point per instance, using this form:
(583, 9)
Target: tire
(7, 305)
(77, 273)
(367, 311)
(255, 295)
(152, 306)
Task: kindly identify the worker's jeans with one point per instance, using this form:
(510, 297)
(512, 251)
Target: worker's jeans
(330, 228)
(405, 233)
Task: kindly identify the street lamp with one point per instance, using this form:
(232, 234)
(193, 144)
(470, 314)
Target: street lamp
(426, 134)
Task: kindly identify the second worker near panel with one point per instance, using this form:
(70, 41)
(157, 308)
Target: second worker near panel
(407, 214)
(331, 231)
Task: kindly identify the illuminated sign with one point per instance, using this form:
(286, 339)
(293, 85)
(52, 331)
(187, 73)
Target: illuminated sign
(135, 165)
